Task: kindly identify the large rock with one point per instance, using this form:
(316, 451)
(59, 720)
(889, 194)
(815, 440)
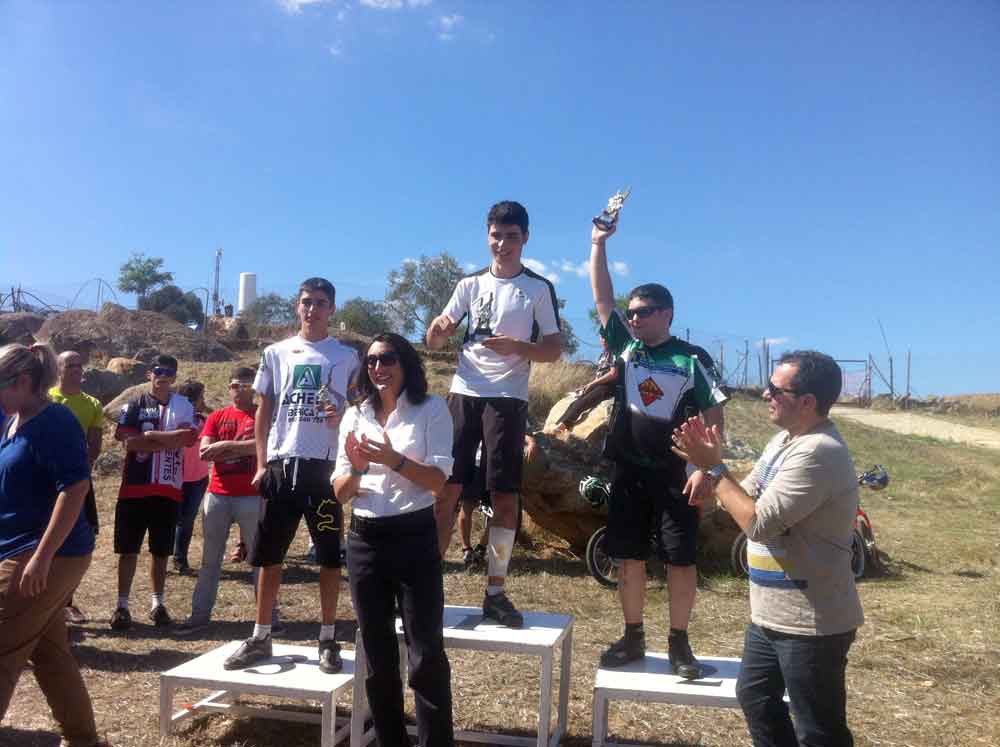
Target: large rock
(555, 463)
(120, 374)
(130, 368)
(116, 331)
(113, 408)
(20, 326)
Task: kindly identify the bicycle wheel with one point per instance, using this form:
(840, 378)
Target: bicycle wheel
(601, 566)
(858, 554)
(738, 556)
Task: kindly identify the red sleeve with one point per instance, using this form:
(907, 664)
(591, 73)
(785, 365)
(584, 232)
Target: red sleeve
(211, 428)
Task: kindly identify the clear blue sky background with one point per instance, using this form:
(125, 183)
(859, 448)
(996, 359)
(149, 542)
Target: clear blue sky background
(800, 170)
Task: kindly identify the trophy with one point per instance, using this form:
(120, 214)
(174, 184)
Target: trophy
(609, 216)
(324, 398)
(483, 316)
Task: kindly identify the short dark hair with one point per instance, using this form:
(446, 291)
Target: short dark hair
(817, 374)
(319, 284)
(508, 213)
(192, 390)
(166, 361)
(243, 372)
(414, 377)
(654, 292)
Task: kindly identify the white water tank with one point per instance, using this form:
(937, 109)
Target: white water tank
(248, 291)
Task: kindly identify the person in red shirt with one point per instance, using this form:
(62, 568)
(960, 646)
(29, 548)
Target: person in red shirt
(227, 441)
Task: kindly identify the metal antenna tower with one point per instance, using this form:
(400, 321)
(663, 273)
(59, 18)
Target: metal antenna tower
(216, 301)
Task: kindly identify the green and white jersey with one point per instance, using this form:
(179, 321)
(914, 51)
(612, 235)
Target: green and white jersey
(659, 388)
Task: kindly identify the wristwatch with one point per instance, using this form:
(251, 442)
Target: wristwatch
(359, 472)
(716, 473)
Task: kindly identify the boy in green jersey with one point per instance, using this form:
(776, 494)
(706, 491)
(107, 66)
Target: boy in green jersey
(661, 382)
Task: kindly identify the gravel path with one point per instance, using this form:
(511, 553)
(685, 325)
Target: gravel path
(921, 425)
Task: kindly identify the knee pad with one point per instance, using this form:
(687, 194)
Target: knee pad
(501, 546)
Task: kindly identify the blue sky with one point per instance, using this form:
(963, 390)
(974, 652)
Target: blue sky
(799, 170)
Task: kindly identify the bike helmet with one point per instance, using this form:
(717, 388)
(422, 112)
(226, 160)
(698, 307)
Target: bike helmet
(876, 478)
(595, 491)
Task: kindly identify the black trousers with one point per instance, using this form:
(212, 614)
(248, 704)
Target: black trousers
(397, 558)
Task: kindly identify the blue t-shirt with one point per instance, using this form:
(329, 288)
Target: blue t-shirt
(46, 455)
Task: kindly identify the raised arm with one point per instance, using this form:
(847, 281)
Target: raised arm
(600, 278)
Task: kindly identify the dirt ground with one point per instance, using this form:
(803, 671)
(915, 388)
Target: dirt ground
(921, 425)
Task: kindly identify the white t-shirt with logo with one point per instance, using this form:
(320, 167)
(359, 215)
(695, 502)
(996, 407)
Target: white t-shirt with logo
(523, 307)
(292, 372)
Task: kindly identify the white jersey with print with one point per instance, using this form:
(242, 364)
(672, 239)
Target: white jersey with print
(293, 372)
(523, 307)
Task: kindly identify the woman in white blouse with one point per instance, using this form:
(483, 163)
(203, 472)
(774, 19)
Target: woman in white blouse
(394, 454)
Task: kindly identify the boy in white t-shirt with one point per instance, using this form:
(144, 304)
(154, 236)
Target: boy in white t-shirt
(303, 383)
(513, 320)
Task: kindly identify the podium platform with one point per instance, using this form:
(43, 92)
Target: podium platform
(292, 673)
(652, 679)
(543, 635)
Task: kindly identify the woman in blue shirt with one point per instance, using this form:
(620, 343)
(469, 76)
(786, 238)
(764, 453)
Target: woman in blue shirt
(45, 540)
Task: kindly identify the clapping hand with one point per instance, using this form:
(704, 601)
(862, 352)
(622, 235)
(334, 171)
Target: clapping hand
(378, 452)
(503, 345)
(698, 444)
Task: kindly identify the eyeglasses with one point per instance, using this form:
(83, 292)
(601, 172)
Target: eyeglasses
(386, 359)
(240, 385)
(319, 303)
(642, 312)
(164, 371)
(775, 390)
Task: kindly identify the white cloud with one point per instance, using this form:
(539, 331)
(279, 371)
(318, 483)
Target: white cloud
(540, 267)
(335, 50)
(409, 261)
(383, 4)
(580, 270)
(471, 266)
(775, 341)
(447, 25)
(296, 6)
(619, 268)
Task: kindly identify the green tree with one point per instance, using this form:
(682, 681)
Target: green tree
(175, 303)
(621, 303)
(571, 343)
(271, 308)
(362, 316)
(141, 274)
(420, 289)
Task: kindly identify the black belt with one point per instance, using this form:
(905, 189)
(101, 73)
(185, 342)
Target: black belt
(412, 522)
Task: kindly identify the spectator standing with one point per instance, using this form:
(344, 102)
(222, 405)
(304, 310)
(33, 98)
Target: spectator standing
(195, 479)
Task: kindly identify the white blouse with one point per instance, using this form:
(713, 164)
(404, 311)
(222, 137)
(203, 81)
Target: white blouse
(422, 433)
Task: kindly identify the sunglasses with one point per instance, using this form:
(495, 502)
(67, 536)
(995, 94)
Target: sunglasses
(642, 312)
(386, 359)
(774, 391)
(240, 385)
(164, 371)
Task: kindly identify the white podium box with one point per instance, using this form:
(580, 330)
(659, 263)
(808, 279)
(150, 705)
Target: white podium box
(652, 679)
(543, 635)
(292, 673)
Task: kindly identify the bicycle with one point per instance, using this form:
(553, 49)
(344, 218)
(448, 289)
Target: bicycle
(865, 555)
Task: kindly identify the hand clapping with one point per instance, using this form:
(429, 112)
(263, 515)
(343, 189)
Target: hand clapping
(698, 444)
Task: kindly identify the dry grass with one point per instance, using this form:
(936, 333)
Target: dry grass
(923, 671)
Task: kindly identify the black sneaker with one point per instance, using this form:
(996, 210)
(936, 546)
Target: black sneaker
(190, 627)
(121, 619)
(500, 608)
(624, 651)
(681, 659)
(160, 617)
(329, 657)
(251, 651)
(469, 558)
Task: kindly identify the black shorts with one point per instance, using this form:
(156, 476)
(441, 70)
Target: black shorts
(499, 423)
(156, 514)
(643, 501)
(290, 494)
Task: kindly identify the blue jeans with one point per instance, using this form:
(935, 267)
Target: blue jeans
(811, 669)
(192, 493)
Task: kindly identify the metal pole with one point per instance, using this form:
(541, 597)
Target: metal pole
(907, 379)
(892, 385)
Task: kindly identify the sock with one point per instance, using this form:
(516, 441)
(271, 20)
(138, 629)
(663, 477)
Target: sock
(634, 630)
(492, 591)
(157, 599)
(123, 602)
(326, 632)
(501, 544)
(260, 632)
